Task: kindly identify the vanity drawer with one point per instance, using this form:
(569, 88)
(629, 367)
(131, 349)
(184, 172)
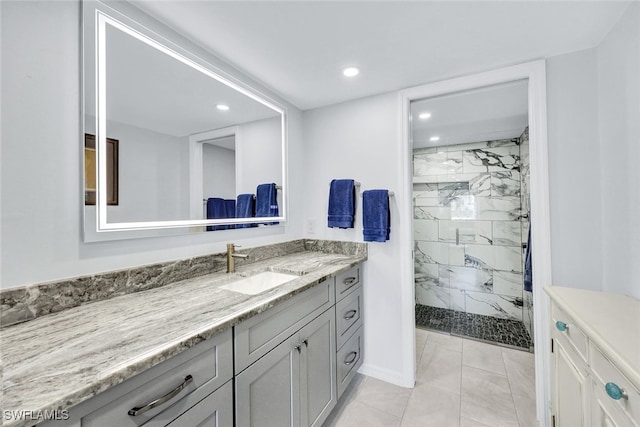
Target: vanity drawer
(348, 316)
(259, 334)
(208, 370)
(349, 359)
(347, 281)
(565, 329)
(605, 372)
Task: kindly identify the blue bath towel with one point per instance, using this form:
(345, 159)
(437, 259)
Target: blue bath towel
(230, 208)
(342, 203)
(267, 201)
(528, 270)
(216, 209)
(376, 216)
(245, 208)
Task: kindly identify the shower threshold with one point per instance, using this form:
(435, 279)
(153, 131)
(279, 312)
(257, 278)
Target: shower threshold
(505, 332)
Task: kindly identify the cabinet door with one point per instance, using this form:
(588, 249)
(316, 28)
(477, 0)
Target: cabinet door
(267, 392)
(215, 410)
(317, 369)
(604, 412)
(569, 387)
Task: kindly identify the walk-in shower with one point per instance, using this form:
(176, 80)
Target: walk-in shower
(471, 214)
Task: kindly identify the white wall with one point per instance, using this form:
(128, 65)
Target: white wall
(41, 155)
(359, 140)
(574, 170)
(618, 88)
(259, 154)
(219, 172)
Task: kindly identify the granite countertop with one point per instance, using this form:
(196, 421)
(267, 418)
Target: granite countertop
(611, 321)
(59, 360)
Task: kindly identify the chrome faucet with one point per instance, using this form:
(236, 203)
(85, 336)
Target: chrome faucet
(231, 262)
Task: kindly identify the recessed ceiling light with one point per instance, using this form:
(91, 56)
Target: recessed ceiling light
(222, 107)
(350, 71)
(434, 138)
(424, 116)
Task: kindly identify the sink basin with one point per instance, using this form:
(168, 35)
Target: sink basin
(259, 283)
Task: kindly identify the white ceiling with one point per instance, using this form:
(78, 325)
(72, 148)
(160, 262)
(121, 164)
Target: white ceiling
(491, 113)
(297, 48)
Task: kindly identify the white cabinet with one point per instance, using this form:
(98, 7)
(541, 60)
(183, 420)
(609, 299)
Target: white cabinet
(588, 389)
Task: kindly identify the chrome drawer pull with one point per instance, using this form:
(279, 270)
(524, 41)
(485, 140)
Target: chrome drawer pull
(139, 410)
(349, 281)
(350, 314)
(616, 392)
(353, 359)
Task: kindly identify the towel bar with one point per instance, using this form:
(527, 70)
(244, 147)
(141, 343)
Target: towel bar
(391, 194)
(356, 183)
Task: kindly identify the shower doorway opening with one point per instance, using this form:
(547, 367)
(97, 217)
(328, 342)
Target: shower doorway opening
(471, 214)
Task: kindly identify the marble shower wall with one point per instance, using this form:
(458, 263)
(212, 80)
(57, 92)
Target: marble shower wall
(468, 227)
(527, 308)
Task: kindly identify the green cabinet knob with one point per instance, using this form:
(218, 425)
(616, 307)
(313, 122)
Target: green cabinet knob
(561, 326)
(616, 392)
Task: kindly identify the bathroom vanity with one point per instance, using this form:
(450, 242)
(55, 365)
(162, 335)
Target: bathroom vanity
(195, 352)
(595, 358)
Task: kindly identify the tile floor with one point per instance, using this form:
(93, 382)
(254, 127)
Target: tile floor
(459, 383)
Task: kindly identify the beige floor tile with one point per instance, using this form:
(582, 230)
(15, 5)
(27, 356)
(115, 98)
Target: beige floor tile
(440, 367)
(421, 342)
(467, 422)
(430, 406)
(486, 397)
(358, 414)
(444, 340)
(384, 396)
(483, 356)
(520, 367)
(526, 410)
(348, 396)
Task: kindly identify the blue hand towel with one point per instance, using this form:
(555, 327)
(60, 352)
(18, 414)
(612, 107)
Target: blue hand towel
(528, 270)
(230, 208)
(267, 201)
(245, 208)
(376, 216)
(216, 209)
(342, 203)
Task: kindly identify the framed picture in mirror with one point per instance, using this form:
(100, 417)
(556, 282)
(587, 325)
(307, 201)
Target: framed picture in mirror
(90, 160)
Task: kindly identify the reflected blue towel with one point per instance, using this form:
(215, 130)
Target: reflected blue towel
(376, 216)
(342, 203)
(230, 208)
(245, 208)
(267, 201)
(216, 209)
(528, 270)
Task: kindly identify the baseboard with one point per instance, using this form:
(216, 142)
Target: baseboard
(393, 377)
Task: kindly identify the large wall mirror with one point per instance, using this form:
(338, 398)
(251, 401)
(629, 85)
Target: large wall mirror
(196, 150)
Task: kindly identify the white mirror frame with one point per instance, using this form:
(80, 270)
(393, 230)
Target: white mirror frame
(103, 15)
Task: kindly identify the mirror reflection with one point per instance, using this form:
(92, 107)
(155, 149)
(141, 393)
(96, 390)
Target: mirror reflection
(186, 137)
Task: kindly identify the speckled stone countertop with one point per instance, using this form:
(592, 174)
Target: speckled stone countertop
(59, 360)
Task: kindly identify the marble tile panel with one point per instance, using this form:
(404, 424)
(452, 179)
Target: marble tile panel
(433, 296)
(429, 212)
(431, 406)
(481, 145)
(507, 233)
(507, 283)
(500, 306)
(425, 189)
(433, 252)
(448, 191)
(437, 163)
(486, 397)
(427, 273)
(422, 200)
(383, 396)
(426, 229)
(464, 208)
(456, 255)
(427, 179)
(497, 208)
(440, 367)
(505, 183)
(479, 256)
(479, 232)
(491, 159)
(480, 185)
(483, 356)
(472, 279)
(508, 258)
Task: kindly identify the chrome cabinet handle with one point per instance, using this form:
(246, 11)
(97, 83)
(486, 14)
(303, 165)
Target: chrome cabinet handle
(139, 410)
(561, 326)
(298, 348)
(348, 361)
(616, 392)
(306, 343)
(350, 314)
(349, 281)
